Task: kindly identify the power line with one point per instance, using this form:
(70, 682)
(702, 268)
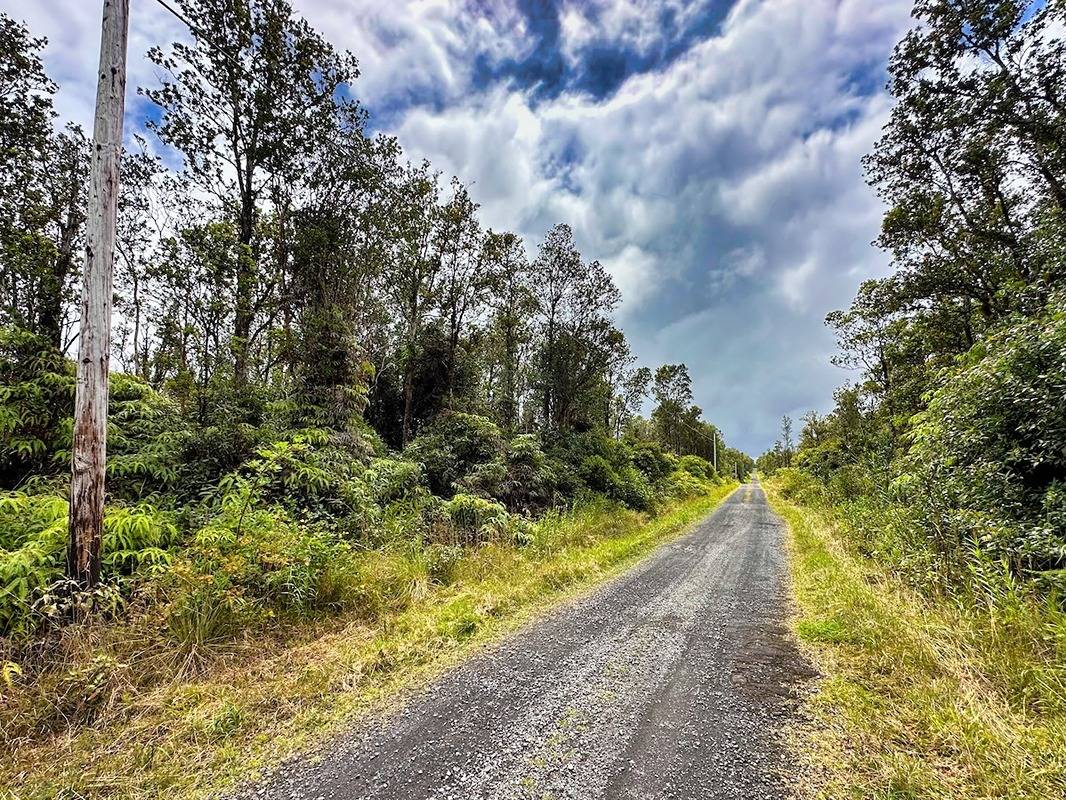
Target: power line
(198, 33)
(178, 15)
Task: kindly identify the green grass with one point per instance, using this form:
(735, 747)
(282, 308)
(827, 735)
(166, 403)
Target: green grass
(920, 697)
(253, 701)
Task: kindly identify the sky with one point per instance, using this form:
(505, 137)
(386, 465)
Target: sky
(707, 151)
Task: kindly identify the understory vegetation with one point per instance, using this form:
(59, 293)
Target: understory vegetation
(350, 433)
(931, 559)
(126, 710)
(922, 696)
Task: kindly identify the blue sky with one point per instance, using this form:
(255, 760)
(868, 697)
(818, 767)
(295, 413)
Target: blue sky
(707, 151)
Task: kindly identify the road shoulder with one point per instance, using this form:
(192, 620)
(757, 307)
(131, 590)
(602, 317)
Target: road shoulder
(913, 701)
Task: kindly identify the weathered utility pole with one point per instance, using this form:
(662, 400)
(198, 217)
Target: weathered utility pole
(89, 452)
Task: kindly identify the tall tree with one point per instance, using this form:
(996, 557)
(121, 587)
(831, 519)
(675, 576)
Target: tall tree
(246, 103)
(512, 305)
(412, 270)
(575, 301)
(464, 278)
(672, 390)
(43, 177)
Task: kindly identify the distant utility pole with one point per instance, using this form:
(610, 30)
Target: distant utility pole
(89, 452)
(714, 448)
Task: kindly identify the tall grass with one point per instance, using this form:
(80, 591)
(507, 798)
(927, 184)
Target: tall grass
(127, 717)
(923, 696)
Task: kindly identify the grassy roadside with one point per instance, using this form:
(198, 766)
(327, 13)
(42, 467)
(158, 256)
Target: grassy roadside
(920, 698)
(280, 691)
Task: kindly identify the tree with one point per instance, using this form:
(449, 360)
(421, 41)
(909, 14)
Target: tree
(673, 394)
(632, 389)
(787, 445)
(973, 161)
(136, 250)
(246, 104)
(412, 266)
(43, 179)
(574, 303)
(326, 251)
(464, 278)
(512, 303)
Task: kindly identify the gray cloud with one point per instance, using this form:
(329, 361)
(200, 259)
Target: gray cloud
(723, 190)
(725, 193)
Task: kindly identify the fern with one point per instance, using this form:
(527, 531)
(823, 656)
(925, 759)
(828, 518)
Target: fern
(33, 535)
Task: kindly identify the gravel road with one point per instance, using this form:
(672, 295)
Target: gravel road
(673, 680)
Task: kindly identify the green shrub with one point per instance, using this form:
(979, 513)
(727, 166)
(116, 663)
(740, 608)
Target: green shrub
(476, 519)
(144, 432)
(442, 562)
(249, 559)
(652, 460)
(452, 446)
(36, 398)
(522, 478)
(682, 484)
(800, 486)
(697, 467)
(989, 455)
(626, 484)
(392, 479)
(598, 474)
(632, 488)
(33, 538)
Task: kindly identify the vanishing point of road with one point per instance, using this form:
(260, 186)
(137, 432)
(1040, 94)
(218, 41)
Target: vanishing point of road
(675, 679)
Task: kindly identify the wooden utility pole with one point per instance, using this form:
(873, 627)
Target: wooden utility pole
(89, 451)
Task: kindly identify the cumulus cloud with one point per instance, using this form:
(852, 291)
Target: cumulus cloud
(72, 28)
(724, 191)
(715, 171)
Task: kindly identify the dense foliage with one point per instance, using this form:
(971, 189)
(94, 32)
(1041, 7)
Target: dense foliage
(330, 372)
(950, 453)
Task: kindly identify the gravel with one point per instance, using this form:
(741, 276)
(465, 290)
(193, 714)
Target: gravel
(674, 680)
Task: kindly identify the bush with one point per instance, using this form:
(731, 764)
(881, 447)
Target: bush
(627, 485)
(476, 519)
(452, 446)
(652, 461)
(697, 467)
(523, 479)
(33, 538)
(251, 558)
(682, 484)
(442, 562)
(391, 479)
(988, 458)
(800, 486)
(144, 432)
(36, 397)
(598, 474)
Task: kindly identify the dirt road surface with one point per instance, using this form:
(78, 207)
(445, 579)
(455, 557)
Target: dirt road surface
(673, 680)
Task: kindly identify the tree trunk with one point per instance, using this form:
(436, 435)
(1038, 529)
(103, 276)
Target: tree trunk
(51, 316)
(408, 402)
(509, 405)
(243, 316)
(89, 450)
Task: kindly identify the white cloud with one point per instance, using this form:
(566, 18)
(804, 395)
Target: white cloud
(723, 191)
(726, 189)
